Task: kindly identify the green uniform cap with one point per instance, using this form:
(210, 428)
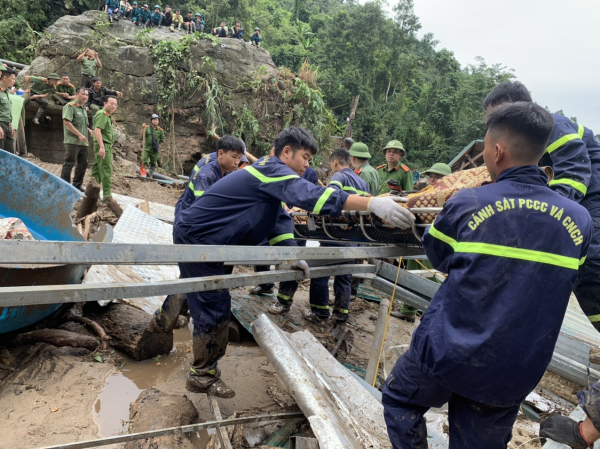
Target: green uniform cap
(394, 144)
(53, 76)
(440, 169)
(361, 150)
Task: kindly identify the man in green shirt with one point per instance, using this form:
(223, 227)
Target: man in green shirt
(394, 151)
(90, 64)
(103, 142)
(75, 125)
(39, 89)
(359, 159)
(152, 136)
(7, 133)
(64, 91)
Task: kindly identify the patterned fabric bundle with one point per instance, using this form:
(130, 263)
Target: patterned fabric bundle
(437, 194)
(14, 229)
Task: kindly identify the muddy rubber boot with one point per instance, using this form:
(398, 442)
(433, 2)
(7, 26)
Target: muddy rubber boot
(261, 290)
(89, 204)
(113, 206)
(312, 317)
(218, 388)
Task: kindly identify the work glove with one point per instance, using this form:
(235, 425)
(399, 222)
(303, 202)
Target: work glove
(562, 430)
(297, 265)
(387, 209)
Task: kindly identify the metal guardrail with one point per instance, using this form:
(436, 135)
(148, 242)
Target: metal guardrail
(47, 252)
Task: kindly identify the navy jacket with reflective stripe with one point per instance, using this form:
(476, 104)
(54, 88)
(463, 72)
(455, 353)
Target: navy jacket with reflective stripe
(574, 156)
(350, 182)
(244, 206)
(202, 177)
(511, 250)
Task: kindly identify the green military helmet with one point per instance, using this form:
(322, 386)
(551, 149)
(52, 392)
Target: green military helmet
(361, 150)
(440, 169)
(394, 144)
(53, 76)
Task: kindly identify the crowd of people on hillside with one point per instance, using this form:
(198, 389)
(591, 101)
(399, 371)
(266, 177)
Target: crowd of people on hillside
(190, 23)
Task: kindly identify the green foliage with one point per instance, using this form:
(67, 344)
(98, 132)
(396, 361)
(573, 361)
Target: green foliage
(100, 37)
(143, 38)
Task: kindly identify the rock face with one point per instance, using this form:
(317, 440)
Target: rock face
(249, 85)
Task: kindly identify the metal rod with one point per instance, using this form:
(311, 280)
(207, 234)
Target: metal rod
(56, 294)
(377, 343)
(176, 430)
(408, 280)
(16, 65)
(45, 252)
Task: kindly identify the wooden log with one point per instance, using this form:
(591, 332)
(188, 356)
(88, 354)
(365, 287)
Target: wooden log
(128, 329)
(57, 337)
(89, 204)
(153, 410)
(95, 327)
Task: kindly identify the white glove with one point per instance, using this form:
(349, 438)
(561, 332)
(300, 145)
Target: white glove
(297, 265)
(387, 209)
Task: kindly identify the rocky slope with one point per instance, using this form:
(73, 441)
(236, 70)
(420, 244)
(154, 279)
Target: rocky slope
(247, 92)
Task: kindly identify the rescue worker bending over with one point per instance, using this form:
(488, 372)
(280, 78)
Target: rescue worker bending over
(574, 155)
(468, 350)
(343, 179)
(229, 215)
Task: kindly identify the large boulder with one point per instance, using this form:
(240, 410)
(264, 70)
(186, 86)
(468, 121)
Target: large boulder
(252, 89)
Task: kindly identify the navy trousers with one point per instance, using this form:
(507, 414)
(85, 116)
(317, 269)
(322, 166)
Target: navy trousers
(587, 289)
(407, 395)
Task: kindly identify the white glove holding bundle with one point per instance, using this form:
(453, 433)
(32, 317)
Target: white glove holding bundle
(297, 265)
(387, 209)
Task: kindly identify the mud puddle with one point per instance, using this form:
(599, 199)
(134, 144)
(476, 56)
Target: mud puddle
(111, 408)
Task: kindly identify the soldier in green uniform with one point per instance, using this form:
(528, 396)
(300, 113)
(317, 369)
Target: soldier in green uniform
(7, 133)
(153, 135)
(75, 126)
(359, 159)
(394, 151)
(90, 64)
(39, 89)
(103, 142)
(64, 91)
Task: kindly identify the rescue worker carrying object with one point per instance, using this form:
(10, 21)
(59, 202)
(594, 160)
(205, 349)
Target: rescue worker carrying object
(468, 349)
(229, 215)
(574, 155)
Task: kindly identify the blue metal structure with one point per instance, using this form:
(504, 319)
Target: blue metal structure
(44, 203)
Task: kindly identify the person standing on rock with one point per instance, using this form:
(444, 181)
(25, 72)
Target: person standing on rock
(7, 132)
(64, 91)
(39, 89)
(76, 130)
(90, 63)
(103, 142)
(153, 135)
(96, 95)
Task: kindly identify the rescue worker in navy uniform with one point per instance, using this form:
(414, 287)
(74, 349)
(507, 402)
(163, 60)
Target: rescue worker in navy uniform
(208, 171)
(346, 180)
(574, 155)
(229, 215)
(468, 350)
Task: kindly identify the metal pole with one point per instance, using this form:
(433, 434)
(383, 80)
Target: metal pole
(377, 344)
(56, 294)
(176, 430)
(45, 252)
(16, 65)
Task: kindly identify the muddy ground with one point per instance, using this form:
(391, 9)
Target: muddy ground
(54, 395)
